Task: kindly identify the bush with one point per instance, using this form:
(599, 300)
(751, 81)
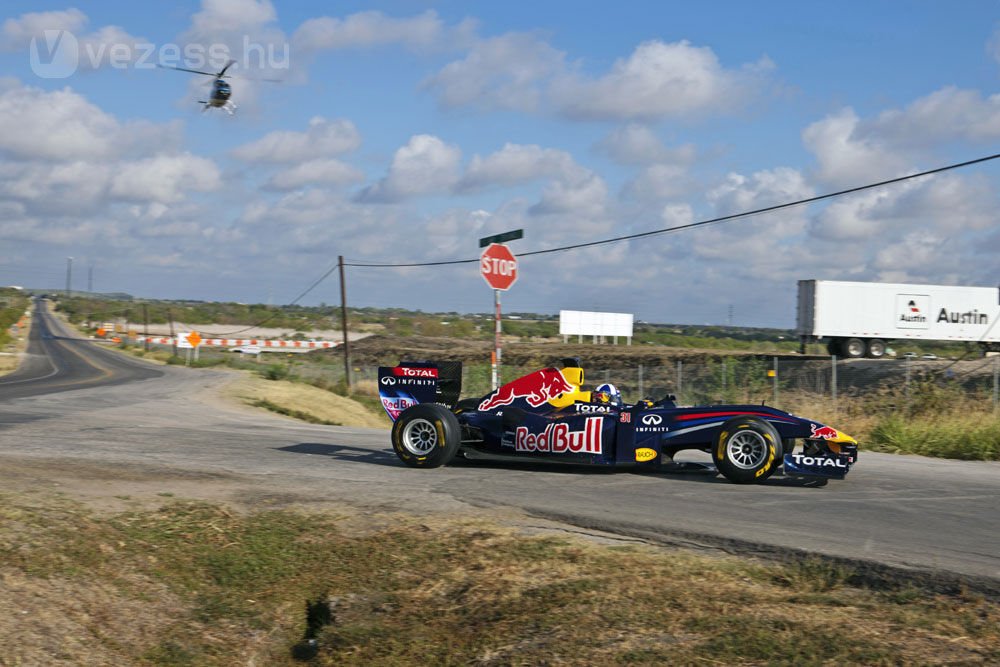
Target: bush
(956, 436)
(275, 372)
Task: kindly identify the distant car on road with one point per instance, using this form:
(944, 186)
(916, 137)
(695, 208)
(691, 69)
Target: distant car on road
(929, 356)
(910, 355)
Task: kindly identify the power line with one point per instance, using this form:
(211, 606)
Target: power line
(701, 223)
(616, 239)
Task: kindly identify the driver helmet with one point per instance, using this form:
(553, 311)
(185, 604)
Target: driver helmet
(613, 395)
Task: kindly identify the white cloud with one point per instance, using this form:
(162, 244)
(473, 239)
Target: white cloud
(425, 165)
(520, 71)
(95, 49)
(506, 72)
(946, 114)
(18, 33)
(638, 144)
(165, 178)
(658, 80)
(324, 171)
(846, 158)
(657, 182)
(584, 196)
(323, 138)
(232, 16)
(425, 31)
(514, 164)
(853, 151)
(63, 125)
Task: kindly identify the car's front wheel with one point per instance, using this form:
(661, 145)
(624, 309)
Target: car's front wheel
(426, 436)
(747, 450)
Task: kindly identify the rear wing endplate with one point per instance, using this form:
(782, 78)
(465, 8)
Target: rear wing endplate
(413, 382)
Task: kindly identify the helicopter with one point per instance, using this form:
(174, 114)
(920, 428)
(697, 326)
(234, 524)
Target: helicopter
(221, 90)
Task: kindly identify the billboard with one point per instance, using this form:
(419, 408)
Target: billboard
(587, 323)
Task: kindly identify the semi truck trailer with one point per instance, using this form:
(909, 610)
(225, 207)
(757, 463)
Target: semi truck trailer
(858, 319)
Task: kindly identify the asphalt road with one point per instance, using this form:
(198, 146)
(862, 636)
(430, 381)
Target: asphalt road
(94, 407)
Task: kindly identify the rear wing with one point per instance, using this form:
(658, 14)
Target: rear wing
(413, 382)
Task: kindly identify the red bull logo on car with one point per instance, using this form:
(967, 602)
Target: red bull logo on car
(536, 388)
(558, 439)
(823, 432)
(395, 405)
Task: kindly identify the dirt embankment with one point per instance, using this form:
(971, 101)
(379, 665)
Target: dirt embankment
(386, 349)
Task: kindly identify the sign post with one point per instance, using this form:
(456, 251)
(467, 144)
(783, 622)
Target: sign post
(498, 267)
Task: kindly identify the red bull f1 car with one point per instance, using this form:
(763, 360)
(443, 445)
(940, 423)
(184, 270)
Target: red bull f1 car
(547, 416)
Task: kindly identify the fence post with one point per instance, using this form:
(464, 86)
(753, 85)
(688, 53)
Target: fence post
(775, 400)
(642, 391)
(906, 385)
(680, 376)
(996, 382)
(833, 382)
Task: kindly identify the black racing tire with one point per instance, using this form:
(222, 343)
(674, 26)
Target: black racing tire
(747, 450)
(426, 436)
(876, 348)
(853, 348)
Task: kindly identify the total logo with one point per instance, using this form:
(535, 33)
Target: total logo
(408, 372)
(818, 461)
(558, 439)
(651, 423)
(584, 407)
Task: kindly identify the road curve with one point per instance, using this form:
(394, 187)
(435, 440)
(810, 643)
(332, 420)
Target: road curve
(925, 516)
(58, 359)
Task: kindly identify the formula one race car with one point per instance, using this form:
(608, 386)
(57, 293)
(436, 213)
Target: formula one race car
(546, 416)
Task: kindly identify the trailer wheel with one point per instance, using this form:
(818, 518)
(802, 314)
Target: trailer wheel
(852, 348)
(747, 450)
(426, 436)
(876, 348)
(833, 347)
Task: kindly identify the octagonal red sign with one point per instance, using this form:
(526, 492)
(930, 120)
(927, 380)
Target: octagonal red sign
(498, 266)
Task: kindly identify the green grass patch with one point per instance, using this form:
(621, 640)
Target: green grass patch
(971, 437)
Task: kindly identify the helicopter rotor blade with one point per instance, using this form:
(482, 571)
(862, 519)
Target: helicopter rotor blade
(222, 72)
(185, 69)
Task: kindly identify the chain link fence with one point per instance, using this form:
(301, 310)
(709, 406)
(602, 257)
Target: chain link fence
(736, 379)
(752, 380)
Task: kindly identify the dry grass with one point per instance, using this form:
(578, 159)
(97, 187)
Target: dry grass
(320, 405)
(11, 357)
(198, 584)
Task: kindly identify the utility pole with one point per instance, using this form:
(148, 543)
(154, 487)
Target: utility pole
(343, 323)
(173, 338)
(69, 276)
(90, 279)
(145, 327)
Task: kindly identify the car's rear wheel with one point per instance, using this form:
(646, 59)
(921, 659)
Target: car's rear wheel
(747, 450)
(426, 436)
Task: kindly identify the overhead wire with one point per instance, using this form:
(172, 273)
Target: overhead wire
(700, 223)
(628, 237)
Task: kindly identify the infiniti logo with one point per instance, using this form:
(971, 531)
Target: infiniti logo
(388, 380)
(652, 420)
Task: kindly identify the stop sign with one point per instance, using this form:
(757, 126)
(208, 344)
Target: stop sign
(498, 266)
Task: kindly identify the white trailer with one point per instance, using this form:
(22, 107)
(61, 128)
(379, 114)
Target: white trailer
(858, 319)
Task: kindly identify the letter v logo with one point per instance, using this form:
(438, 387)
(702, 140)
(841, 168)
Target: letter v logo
(55, 55)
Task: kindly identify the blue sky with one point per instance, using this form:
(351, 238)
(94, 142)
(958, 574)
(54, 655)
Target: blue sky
(404, 131)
